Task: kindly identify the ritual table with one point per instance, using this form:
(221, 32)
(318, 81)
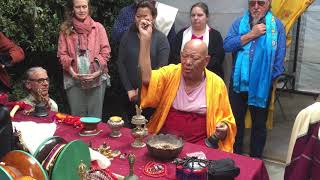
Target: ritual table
(250, 168)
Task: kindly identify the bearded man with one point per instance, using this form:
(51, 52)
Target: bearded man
(257, 41)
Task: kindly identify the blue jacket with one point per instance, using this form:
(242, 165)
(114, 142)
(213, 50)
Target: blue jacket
(232, 43)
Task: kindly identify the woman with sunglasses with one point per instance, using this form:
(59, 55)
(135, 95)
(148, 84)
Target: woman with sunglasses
(199, 29)
(257, 41)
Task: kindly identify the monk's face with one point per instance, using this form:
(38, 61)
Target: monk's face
(194, 59)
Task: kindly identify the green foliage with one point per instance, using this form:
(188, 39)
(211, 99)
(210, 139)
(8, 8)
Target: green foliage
(34, 25)
(18, 91)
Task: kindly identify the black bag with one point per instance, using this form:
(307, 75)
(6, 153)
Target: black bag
(223, 169)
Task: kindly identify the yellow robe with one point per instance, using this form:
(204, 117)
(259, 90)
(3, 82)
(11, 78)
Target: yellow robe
(162, 90)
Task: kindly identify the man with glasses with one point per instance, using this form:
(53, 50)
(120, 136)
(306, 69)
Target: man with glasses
(36, 82)
(191, 101)
(257, 41)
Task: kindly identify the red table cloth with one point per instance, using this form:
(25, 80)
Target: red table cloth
(250, 168)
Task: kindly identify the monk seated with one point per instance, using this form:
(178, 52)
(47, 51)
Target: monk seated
(190, 101)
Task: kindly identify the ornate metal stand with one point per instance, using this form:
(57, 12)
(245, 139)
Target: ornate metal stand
(140, 131)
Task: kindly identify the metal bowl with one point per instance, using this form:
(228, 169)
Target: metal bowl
(164, 146)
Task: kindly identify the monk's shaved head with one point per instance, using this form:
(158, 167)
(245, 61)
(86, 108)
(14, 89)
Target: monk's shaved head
(196, 45)
(194, 59)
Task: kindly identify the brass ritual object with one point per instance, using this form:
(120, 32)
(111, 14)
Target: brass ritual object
(140, 131)
(90, 174)
(82, 170)
(164, 147)
(115, 123)
(131, 176)
(105, 150)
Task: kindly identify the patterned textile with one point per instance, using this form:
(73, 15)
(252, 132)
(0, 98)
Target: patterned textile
(303, 157)
(289, 11)
(305, 160)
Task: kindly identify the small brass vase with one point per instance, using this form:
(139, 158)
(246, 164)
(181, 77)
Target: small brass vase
(115, 123)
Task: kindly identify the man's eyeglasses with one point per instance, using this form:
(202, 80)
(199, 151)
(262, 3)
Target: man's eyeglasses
(260, 3)
(40, 80)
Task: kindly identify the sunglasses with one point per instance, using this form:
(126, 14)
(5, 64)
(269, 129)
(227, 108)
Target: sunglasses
(253, 3)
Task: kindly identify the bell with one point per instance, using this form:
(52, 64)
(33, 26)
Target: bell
(40, 110)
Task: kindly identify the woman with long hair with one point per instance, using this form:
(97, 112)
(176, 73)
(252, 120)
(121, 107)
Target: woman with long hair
(83, 51)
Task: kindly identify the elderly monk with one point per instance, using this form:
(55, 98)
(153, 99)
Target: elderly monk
(190, 101)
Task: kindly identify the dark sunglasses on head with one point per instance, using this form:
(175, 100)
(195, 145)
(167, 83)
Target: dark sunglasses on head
(253, 3)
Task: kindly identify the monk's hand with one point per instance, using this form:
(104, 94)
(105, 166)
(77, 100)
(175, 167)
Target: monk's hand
(145, 29)
(221, 130)
(258, 30)
(133, 95)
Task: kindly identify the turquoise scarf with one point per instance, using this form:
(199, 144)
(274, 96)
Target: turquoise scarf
(254, 75)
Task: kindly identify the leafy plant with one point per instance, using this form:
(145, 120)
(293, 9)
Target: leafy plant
(34, 25)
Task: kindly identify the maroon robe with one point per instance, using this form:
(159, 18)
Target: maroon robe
(190, 126)
(305, 160)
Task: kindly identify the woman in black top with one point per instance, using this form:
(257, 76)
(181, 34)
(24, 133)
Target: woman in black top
(199, 29)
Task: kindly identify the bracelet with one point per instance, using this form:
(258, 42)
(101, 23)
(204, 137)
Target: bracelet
(155, 169)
